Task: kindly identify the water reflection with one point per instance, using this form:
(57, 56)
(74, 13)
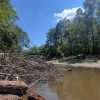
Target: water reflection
(79, 84)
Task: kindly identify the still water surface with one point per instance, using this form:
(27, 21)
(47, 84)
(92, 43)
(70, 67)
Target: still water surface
(78, 84)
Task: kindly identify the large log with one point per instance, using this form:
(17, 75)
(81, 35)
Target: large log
(13, 87)
(10, 97)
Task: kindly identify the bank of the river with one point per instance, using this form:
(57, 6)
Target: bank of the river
(89, 65)
(88, 62)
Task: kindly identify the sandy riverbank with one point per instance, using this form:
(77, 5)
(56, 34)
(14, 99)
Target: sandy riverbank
(88, 62)
(91, 65)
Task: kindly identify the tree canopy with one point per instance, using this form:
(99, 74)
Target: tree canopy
(12, 37)
(80, 35)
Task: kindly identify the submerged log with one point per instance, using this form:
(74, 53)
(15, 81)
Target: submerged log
(13, 87)
(69, 69)
(34, 96)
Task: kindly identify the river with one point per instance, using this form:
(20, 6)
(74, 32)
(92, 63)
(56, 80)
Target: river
(78, 84)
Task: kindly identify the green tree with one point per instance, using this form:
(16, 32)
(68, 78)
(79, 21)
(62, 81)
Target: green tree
(80, 35)
(34, 50)
(12, 37)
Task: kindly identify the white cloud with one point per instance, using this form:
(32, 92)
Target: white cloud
(66, 13)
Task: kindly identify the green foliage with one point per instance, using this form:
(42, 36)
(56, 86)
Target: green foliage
(37, 50)
(34, 50)
(12, 37)
(7, 13)
(81, 35)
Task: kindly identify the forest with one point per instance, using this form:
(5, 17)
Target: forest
(80, 35)
(77, 36)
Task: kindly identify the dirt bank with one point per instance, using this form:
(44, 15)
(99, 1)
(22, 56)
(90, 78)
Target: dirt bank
(87, 62)
(86, 65)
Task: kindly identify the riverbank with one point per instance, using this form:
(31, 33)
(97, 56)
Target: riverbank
(90, 61)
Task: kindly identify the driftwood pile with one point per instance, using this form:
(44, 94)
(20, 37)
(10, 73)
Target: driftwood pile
(29, 68)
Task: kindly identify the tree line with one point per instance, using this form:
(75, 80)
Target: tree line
(80, 35)
(12, 37)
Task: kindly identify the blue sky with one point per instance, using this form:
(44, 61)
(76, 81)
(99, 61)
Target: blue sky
(38, 16)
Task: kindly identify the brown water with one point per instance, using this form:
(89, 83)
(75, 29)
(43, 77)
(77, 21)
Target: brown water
(79, 84)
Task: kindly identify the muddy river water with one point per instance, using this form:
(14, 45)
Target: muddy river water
(78, 84)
